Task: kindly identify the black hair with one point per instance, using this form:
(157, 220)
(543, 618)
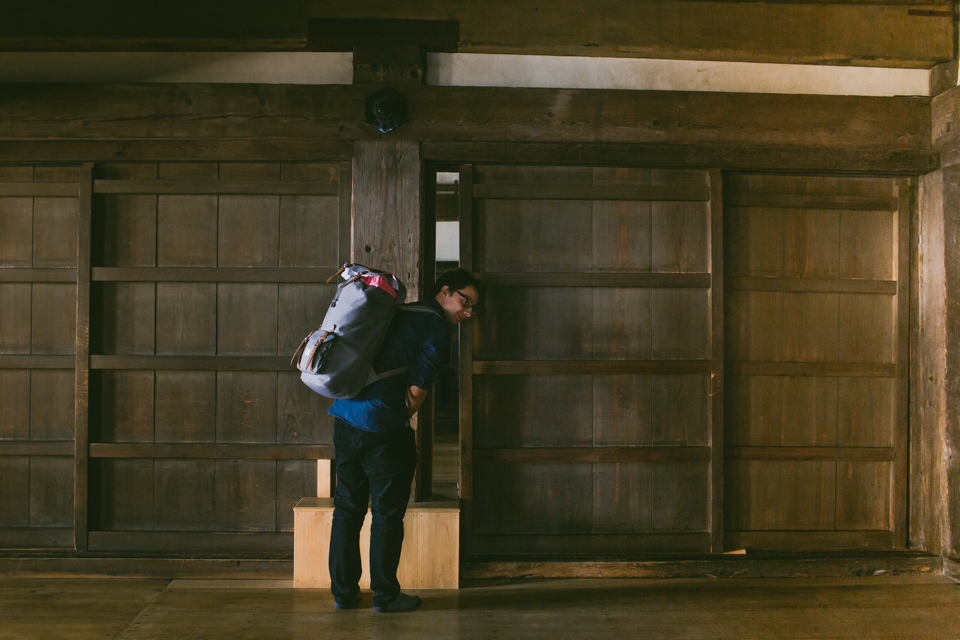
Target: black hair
(457, 279)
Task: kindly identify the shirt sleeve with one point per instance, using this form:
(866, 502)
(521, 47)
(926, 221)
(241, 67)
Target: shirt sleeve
(434, 350)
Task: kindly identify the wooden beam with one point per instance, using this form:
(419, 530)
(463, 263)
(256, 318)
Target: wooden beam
(878, 33)
(186, 363)
(594, 454)
(945, 125)
(68, 274)
(213, 451)
(345, 34)
(875, 454)
(81, 435)
(146, 150)
(812, 285)
(717, 349)
(595, 367)
(334, 113)
(645, 280)
(829, 369)
(387, 230)
(316, 275)
(217, 187)
(695, 156)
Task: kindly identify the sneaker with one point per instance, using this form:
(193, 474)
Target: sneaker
(352, 603)
(402, 603)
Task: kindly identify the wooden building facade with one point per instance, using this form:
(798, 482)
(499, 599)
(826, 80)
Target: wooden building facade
(713, 320)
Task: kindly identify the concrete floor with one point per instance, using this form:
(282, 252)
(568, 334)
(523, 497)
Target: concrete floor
(874, 607)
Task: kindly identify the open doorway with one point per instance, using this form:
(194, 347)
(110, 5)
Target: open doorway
(446, 443)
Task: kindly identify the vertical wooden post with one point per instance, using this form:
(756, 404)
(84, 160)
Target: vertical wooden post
(466, 365)
(428, 274)
(387, 225)
(82, 389)
(906, 189)
(717, 357)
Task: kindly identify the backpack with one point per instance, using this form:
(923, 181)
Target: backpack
(335, 360)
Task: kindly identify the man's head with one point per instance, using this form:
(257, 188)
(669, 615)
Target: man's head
(458, 292)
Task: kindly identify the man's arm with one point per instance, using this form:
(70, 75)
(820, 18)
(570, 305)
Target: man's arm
(415, 398)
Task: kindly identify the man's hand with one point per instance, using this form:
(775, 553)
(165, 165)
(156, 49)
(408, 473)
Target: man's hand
(415, 398)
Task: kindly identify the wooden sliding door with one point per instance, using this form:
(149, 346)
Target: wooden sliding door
(816, 336)
(39, 212)
(147, 316)
(589, 421)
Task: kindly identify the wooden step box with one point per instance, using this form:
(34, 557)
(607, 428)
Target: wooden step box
(431, 545)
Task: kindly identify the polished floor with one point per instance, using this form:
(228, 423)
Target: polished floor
(874, 607)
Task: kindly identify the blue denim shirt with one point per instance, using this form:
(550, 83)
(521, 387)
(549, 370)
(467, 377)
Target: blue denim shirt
(420, 340)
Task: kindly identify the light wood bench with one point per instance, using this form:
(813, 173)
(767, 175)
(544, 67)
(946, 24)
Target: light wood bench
(431, 545)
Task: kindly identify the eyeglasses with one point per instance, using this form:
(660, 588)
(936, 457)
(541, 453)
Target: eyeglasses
(467, 302)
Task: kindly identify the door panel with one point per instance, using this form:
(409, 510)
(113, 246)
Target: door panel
(590, 412)
(815, 460)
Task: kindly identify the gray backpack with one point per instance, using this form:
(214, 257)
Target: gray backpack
(335, 360)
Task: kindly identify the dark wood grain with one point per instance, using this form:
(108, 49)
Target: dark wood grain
(590, 192)
(885, 287)
(186, 231)
(810, 453)
(296, 479)
(23, 448)
(128, 112)
(908, 195)
(247, 406)
(213, 451)
(127, 315)
(574, 455)
(811, 369)
(81, 435)
(184, 492)
(39, 189)
(186, 319)
(54, 318)
(248, 230)
(55, 232)
(37, 362)
(15, 321)
(246, 495)
(67, 274)
(52, 492)
(126, 495)
(15, 400)
(809, 201)
(214, 187)
(185, 406)
(504, 548)
(245, 542)
(465, 357)
(52, 404)
(15, 487)
(16, 230)
(247, 319)
(717, 388)
(729, 156)
(185, 363)
(596, 367)
(124, 406)
(615, 280)
(345, 211)
(206, 274)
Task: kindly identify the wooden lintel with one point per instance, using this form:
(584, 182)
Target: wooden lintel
(878, 33)
(334, 113)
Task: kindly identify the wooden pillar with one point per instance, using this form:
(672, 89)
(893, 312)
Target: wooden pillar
(935, 344)
(387, 234)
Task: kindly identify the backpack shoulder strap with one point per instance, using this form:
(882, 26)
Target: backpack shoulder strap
(419, 309)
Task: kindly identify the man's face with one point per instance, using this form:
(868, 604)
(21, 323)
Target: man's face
(458, 304)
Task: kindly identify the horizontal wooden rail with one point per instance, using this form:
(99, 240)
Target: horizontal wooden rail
(218, 187)
(874, 454)
(808, 201)
(595, 367)
(40, 189)
(213, 451)
(594, 454)
(502, 546)
(641, 280)
(815, 369)
(68, 274)
(193, 363)
(35, 537)
(695, 193)
(250, 541)
(211, 274)
(803, 539)
(38, 362)
(811, 285)
(25, 448)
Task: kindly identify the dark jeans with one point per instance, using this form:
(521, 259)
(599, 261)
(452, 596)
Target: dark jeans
(378, 467)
